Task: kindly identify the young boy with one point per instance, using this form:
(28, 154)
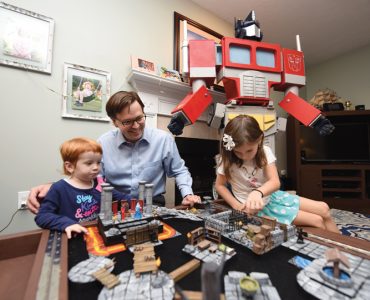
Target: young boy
(75, 199)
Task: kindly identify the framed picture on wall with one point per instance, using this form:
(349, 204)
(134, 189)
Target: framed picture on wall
(85, 93)
(26, 39)
(195, 31)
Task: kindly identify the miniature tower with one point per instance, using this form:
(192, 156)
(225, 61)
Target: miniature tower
(106, 203)
(141, 194)
(149, 197)
(211, 277)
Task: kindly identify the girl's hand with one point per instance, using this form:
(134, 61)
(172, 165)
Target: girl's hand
(239, 206)
(75, 228)
(254, 202)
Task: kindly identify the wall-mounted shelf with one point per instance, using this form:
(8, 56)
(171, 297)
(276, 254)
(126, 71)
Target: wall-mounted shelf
(161, 95)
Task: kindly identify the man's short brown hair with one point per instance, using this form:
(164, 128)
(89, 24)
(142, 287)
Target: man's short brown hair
(121, 100)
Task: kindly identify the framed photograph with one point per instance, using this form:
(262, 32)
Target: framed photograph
(26, 39)
(143, 65)
(85, 93)
(169, 74)
(195, 31)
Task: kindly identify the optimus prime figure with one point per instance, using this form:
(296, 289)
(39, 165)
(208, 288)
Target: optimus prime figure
(248, 69)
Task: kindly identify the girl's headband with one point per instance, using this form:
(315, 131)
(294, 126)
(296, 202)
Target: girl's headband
(228, 142)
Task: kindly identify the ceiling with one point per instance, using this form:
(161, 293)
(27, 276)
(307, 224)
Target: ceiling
(327, 28)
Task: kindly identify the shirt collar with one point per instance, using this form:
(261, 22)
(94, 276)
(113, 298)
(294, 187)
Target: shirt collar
(120, 139)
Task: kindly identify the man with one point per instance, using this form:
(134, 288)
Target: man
(133, 153)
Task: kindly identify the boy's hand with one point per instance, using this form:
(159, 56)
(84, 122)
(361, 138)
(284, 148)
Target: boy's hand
(75, 228)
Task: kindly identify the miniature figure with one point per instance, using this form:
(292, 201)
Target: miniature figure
(300, 235)
(138, 214)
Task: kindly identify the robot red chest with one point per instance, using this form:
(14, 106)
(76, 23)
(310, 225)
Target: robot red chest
(248, 69)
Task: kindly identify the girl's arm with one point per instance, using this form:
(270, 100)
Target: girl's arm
(225, 194)
(255, 199)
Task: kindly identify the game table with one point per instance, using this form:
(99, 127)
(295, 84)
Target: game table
(282, 274)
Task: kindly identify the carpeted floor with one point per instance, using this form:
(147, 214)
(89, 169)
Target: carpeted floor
(352, 224)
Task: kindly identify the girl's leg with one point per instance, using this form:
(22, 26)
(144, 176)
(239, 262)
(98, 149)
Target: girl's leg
(321, 209)
(304, 218)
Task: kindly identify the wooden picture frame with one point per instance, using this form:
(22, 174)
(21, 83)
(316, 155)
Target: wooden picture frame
(26, 39)
(85, 93)
(195, 30)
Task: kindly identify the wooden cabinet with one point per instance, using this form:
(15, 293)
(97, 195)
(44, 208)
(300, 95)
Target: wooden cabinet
(342, 184)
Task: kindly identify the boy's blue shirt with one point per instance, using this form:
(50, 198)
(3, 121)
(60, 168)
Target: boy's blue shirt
(65, 205)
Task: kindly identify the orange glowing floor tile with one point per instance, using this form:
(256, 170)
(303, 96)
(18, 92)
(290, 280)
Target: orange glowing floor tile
(95, 244)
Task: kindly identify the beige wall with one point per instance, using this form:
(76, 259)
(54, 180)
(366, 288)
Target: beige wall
(94, 33)
(348, 75)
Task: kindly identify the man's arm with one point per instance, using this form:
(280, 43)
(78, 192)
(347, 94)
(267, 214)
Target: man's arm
(175, 167)
(36, 195)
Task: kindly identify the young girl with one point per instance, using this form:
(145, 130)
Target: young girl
(249, 167)
(86, 92)
(74, 199)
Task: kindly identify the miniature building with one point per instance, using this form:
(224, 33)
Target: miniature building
(196, 236)
(266, 220)
(213, 235)
(141, 234)
(202, 237)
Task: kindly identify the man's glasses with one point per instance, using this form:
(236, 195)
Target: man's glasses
(129, 123)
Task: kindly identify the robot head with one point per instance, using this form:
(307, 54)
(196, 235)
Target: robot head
(249, 28)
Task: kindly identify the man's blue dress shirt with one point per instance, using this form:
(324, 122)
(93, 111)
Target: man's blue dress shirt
(150, 159)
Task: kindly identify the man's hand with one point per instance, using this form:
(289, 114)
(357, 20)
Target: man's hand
(75, 228)
(36, 195)
(190, 200)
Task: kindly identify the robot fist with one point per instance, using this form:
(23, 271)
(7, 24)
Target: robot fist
(177, 124)
(323, 126)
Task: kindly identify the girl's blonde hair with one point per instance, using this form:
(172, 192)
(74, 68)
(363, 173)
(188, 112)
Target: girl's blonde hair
(70, 150)
(242, 129)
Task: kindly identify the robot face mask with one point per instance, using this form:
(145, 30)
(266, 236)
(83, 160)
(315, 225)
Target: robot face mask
(249, 28)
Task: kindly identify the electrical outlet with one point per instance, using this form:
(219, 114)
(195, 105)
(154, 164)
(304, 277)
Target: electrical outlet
(22, 199)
